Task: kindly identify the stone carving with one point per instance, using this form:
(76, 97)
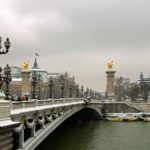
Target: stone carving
(110, 64)
(25, 65)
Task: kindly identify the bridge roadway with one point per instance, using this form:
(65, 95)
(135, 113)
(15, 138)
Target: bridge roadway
(37, 119)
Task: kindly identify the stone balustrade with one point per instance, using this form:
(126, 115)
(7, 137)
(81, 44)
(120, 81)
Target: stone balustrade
(37, 103)
(142, 106)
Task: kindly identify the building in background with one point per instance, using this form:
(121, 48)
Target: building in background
(60, 81)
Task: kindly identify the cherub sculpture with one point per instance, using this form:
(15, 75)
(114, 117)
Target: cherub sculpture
(110, 64)
(25, 65)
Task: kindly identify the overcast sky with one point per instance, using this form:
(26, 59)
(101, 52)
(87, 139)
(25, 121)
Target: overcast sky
(79, 36)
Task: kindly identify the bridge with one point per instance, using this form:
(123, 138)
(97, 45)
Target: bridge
(24, 125)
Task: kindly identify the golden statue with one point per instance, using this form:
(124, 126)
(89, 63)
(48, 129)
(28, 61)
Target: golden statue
(25, 65)
(110, 64)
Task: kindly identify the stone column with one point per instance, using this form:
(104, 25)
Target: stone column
(110, 84)
(25, 87)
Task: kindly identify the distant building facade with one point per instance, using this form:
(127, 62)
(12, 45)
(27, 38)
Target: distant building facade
(143, 79)
(43, 88)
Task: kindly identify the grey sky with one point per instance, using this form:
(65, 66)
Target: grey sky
(79, 36)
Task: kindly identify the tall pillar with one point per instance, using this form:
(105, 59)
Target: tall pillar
(25, 87)
(110, 81)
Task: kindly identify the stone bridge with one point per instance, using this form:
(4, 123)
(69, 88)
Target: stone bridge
(24, 125)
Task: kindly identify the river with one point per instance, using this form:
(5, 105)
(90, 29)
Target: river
(100, 135)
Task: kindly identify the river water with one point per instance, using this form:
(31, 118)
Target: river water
(100, 135)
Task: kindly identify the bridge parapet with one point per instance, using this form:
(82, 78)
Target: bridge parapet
(145, 107)
(36, 103)
(40, 117)
(37, 115)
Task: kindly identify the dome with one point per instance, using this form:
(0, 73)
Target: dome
(42, 73)
(16, 72)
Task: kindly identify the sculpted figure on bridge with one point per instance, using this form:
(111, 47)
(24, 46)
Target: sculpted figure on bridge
(110, 64)
(25, 65)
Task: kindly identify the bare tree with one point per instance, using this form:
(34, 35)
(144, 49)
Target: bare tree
(121, 88)
(133, 91)
(145, 88)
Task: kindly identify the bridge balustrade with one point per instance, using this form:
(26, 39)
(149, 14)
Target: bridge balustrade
(36, 103)
(43, 115)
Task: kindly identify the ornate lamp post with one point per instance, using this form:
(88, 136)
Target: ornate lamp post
(51, 83)
(7, 46)
(90, 93)
(70, 89)
(77, 94)
(82, 91)
(1, 79)
(7, 69)
(62, 89)
(93, 94)
(96, 95)
(7, 80)
(87, 92)
(34, 83)
(39, 90)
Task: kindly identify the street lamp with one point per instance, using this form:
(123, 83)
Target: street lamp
(7, 70)
(39, 90)
(7, 80)
(77, 94)
(90, 93)
(70, 89)
(62, 89)
(1, 79)
(87, 92)
(6, 44)
(51, 83)
(94, 94)
(34, 83)
(82, 91)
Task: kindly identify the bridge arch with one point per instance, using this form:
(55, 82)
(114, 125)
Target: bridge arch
(33, 142)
